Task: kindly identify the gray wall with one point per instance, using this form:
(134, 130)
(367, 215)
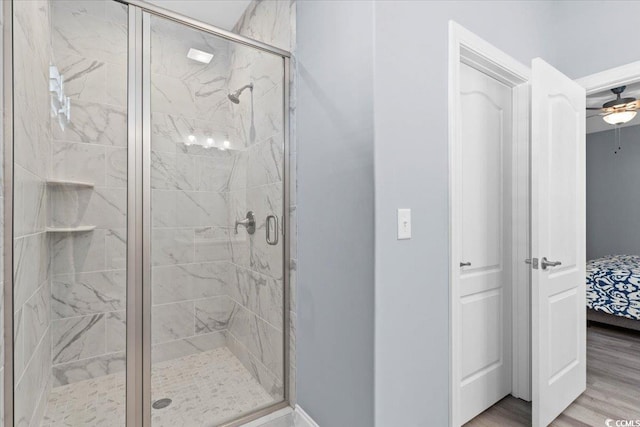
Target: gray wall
(411, 331)
(335, 211)
(579, 31)
(335, 124)
(412, 291)
(613, 193)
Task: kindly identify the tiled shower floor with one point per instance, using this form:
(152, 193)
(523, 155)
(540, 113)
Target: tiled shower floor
(206, 389)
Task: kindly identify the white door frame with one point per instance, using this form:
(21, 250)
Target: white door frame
(466, 47)
(613, 77)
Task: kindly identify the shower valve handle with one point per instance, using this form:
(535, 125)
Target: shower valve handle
(249, 223)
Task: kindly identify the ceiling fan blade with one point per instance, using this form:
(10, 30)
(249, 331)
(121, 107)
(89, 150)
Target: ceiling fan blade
(597, 115)
(594, 108)
(632, 106)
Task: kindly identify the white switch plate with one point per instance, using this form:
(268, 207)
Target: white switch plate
(404, 224)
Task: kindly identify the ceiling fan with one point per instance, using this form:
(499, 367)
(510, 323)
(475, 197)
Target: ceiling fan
(619, 110)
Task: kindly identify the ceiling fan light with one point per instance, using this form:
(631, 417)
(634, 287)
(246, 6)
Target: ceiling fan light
(619, 117)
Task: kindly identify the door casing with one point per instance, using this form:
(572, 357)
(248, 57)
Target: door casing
(613, 77)
(466, 47)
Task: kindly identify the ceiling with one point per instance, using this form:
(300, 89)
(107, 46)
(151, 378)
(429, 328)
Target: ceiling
(596, 124)
(224, 13)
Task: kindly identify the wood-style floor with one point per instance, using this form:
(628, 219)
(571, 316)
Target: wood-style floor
(613, 386)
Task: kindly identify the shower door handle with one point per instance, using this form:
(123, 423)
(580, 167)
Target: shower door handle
(272, 239)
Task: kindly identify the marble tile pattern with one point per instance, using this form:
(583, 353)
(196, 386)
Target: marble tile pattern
(206, 388)
(87, 269)
(269, 21)
(211, 288)
(89, 368)
(190, 184)
(198, 193)
(256, 333)
(206, 278)
(32, 273)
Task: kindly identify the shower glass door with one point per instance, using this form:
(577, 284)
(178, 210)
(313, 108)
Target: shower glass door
(69, 213)
(148, 255)
(216, 140)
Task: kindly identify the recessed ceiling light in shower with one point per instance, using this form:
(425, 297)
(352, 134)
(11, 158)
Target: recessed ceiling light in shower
(200, 56)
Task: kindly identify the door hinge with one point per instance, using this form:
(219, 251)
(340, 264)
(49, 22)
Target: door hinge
(533, 262)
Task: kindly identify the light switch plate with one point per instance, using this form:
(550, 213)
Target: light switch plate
(404, 224)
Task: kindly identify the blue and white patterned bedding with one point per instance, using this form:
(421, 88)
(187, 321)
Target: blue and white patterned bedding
(613, 285)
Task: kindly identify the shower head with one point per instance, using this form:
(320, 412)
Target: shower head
(235, 96)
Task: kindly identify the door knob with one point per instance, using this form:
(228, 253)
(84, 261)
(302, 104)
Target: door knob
(545, 263)
(465, 264)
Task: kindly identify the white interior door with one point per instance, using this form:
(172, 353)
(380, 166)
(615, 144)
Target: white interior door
(484, 304)
(557, 235)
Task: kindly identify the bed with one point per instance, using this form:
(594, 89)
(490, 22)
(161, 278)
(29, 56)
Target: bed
(613, 290)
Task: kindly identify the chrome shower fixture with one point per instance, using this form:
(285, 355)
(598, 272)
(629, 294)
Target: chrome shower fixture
(235, 96)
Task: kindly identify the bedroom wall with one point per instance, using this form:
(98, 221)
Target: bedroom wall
(613, 199)
(578, 32)
(348, 53)
(411, 171)
(411, 168)
(336, 217)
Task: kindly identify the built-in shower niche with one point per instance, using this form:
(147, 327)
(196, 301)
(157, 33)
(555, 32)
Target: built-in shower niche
(67, 204)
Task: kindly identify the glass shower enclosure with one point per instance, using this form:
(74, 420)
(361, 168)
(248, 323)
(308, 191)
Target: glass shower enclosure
(148, 225)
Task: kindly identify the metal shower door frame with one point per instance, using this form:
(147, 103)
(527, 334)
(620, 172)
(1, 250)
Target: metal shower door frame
(7, 238)
(138, 335)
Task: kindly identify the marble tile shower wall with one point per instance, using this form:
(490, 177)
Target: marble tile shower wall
(212, 287)
(190, 192)
(88, 276)
(32, 319)
(256, 324)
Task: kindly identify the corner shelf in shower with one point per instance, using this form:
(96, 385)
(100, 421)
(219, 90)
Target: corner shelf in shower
(79, 229)
(66, 183)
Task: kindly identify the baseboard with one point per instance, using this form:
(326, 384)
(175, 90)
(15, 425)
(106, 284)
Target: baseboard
(281, 413)
(303, 419)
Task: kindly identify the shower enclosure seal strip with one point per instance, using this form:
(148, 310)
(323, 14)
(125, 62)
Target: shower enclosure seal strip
(7, 104)
(135, 355)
